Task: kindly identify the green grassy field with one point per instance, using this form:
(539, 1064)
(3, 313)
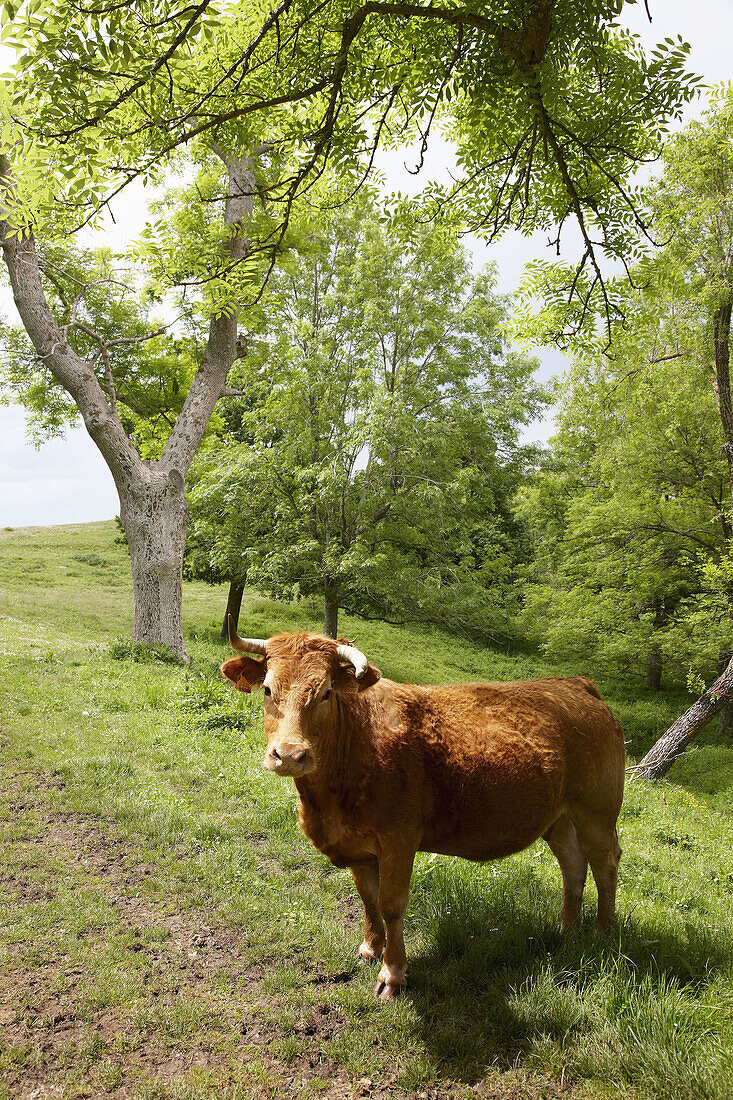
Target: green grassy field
(167, 931)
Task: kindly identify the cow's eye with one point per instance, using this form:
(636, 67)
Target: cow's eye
(268, 693)
(326, 694)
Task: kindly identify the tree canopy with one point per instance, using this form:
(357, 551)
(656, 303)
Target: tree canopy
(634, 515)
(630, 520)
(379, 433)
(551, 106)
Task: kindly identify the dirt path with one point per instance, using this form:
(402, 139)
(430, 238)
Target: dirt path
(112, 986)
(53, 1046)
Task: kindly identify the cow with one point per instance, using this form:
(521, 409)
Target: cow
(385, 770)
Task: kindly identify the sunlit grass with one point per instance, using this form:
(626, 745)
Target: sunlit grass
(168, 759)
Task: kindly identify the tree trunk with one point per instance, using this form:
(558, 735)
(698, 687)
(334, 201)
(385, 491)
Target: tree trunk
(155, 515)
(726, 711)
(721, 381)
(672, 744)
(654, 669)
(331, 615)
(234, 606)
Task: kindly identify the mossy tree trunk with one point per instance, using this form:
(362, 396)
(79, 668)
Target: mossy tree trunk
(653, 677)
(673, 743)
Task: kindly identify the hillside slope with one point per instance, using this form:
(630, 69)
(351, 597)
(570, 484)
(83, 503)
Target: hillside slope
(166, 930)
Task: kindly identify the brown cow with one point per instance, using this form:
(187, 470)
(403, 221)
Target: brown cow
(385, 770)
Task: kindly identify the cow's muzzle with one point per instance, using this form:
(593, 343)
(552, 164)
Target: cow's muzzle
(290, 760)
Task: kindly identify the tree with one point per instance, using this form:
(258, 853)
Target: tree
(223, 524)
(629, 516)
(379, 448)
(681, 313)
(550, 105)
(695, 212)
(203, 559)
(89, 361)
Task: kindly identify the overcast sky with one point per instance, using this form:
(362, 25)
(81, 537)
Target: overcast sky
(66, 481)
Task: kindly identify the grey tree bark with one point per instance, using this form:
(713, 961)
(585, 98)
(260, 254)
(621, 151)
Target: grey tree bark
(155, 516)
(153, 506)
(673, 743)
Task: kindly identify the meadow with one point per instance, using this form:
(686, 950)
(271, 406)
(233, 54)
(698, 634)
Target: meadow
(167, 932)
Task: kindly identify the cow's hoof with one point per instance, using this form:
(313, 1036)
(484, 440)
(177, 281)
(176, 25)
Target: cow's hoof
(367, 955)
(385, 991)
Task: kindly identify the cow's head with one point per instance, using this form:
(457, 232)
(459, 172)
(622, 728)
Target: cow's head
(302, 676)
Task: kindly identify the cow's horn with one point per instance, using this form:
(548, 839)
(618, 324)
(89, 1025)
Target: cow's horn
(355, 657)
(246, 645)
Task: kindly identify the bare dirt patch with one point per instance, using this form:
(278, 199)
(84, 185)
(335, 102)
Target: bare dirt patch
(53, 1043)
(149, 998)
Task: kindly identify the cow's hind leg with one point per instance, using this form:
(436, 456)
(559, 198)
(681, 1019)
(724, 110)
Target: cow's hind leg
(563, 841)
(599, 843)
(366, 877)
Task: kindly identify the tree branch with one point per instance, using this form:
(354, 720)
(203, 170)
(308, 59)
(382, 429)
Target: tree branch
(222, 346)
(69, 369)
(137, 84)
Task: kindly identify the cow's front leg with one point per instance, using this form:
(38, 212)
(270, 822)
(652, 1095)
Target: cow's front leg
(366, 877)
(395, 869)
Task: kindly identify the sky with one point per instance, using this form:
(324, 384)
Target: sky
(66, 481)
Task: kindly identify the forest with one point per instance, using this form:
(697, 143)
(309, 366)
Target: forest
(315, 404)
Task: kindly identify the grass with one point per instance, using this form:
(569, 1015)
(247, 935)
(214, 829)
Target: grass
(167, 931)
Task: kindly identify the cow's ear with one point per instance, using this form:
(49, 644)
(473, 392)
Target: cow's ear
(245, 672)
(344, 680)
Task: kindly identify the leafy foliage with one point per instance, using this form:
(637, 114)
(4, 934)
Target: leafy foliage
(121, 649)
(630, 518)
(378, 434)
(551, 106)
(633, 516)
(106, 312)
